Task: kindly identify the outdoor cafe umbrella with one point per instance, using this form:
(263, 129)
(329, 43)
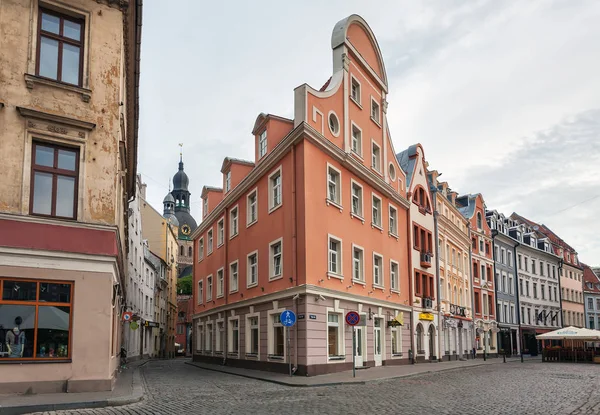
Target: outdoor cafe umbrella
(571, 333)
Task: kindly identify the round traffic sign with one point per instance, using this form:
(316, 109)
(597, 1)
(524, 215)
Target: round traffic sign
(288, 318)
(127, 315)
(352, 318)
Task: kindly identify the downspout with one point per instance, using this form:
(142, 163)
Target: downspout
(560, 265)
(434, 190)
(294, 254)
(494, 234)
(474, 335)
(410, 284)
(517, 243)
(225, 290)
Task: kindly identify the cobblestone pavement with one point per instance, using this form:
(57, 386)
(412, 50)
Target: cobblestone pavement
(513, 388)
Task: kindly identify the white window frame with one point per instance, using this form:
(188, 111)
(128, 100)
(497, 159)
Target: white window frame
(249, 221)
(271, 334)
(200, 292)
(200, 249)
(359, 100)
(338, 273)
(381, 283)
(395, 278)
(272, 275)
(230, 331)
(272, 205)
(221, 231)
(210, 238)
(380, 211)
(234, 287)
(398, 331)
(209, 287)
(250, 284)
(338, 186)
(393, 232)
(262, 139)
(220, 282)
(334, 133)
(228, 181)
(219, 328)
(208, 340)
(361, 202)
(205, 207)
(339, 325)
(248, 334)
(199, 336)
(234, 221)
(359, 139)
(362, 264)
(376, 162)
(377, 119)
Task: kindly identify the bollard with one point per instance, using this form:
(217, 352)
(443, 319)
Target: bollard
(484, 357)
(504, 357)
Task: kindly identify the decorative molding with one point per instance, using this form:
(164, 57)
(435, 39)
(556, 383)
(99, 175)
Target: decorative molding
(345, 61)
(29, 113)
(31, 80)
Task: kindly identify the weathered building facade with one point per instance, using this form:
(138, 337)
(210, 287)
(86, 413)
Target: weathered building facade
(591, 292)
(68, 137)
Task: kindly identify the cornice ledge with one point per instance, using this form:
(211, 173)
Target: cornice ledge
(31, 80)
(40, 115)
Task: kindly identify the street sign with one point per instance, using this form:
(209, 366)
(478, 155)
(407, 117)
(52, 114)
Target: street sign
(127, 316)
(288, 318)
(352, 318)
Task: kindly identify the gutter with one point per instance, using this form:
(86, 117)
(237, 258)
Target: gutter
(434, 190)
(517, 279)
(472, 288)
(410, 286)
(294, 255)
(225, 288)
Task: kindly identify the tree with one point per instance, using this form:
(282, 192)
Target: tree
(184, 285)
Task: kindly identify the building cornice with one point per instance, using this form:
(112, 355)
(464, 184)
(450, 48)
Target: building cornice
(59, 119)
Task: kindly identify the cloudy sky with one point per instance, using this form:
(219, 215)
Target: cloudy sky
(503, 95)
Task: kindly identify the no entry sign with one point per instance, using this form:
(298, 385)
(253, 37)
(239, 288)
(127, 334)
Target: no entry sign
(352, 318)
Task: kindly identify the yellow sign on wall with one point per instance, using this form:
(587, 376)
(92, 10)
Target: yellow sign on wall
(426, 316)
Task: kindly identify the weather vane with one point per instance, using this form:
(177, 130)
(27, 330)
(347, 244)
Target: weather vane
(180, 151)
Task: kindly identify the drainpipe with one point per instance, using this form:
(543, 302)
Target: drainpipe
(560, 265)
(409, 249)
(225, 289)
(436, 214)
(474, 334)
(494, 234)
(294, 254)
(518, 298)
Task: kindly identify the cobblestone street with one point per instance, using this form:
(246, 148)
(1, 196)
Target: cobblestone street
(173, 387)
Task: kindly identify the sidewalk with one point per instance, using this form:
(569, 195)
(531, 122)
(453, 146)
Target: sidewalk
(362, 376)
(128, 389)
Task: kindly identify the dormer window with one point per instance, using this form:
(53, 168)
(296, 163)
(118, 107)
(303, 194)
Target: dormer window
(262, 144)
(228, 181)
(420, 198)
(479, 221)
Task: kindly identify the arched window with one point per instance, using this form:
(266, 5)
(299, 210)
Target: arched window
(420, 198)
(190, 251)
(181, 250)
(479, 224)
(431, 341)
(419, 337)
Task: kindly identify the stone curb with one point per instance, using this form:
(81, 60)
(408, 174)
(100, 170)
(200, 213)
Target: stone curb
(339, 383)
(136, 396)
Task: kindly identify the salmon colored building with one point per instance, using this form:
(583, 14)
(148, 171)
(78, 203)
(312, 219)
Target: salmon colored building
(317, 224)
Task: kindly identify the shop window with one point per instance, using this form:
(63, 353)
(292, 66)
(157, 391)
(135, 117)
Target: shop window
(277, 337)
(233, 344)
(334, 335)
(252, 339)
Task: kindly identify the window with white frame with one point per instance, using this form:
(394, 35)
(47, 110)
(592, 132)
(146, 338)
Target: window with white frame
(228, 181)
(200, 249)
(210, 242)
(233, 277)
(358, 264)
(220, 232)
(375, 157)
(355, 90)
(335, 335)
(205, 206)
(220, 282)
(394, 276)
(393, 220)
(443, 289)
(276, 259)
(356, 140)
(252, 336)
(509, 256)
(220, 339)
(376, 212)
(209, 338)
(209, 288)
(375, 111)
(200, 291)
(335, 256)
(234, 222)
(396, 341)
(275, 189)
(334, 185)
(357, 199)
(252, 207)
(199, 336)
(277, 337)
(377, 270)
(262, 144)
(233, 343)
(252, 269)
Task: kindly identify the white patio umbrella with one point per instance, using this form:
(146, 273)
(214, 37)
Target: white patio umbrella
(571, 333)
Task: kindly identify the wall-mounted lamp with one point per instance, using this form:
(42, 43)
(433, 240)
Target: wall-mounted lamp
(321, 280)
(370, 292)
(350, 286)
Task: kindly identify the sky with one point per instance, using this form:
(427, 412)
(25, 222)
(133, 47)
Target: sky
(503, 95)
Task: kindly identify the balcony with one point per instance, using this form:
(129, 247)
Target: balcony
(426, 259)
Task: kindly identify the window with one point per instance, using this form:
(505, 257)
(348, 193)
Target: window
(420, 198)
(209, 337)
(535, 294)
(228, 181)
(189, 252)
(210, 242)
(275, 189)
(486, 309)
(357, 199)
(527, 288)
(481, 249)
(519, 260)
(252, 207)
(55, 177)
(60, 44)
(392, 172)
(252, 267)
(220, 232)
(205, 207)
(510, 284)
(482, 272)
(253, 338)
(543, 291)
(376, 211)
(375, 157)
(262, 144)
(334, 124)
(233, 343)
(424, 285)
(357, 264)
(355, 90)
(533, 266)
(509, 255)
(233, 277)
(180, 250)
(502, 252)
(375, 111)
(335, 256)
(277, 341)
(542, 268)
(505, 283)
(479, 221)
(443, 289)
(591, 304)
(393, 220)
(199, 336)
(394, 277)
(420, 339)
(422, 239)
(200, 292)
(356, 140)
(334, 185)
(276, 260)
(377, 270)
(220, 283)
(26, 305)
(477, 303)
(233, 222)
(220, 339)
(209, 288)
(334, 336)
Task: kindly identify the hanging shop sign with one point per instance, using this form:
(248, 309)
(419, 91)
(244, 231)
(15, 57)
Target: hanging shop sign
(397, 321)
(133, 325)
(426, 316)
(457, 310)
(150, 324)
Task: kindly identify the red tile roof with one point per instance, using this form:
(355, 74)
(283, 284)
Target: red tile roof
(590, 276)
(324, 87)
